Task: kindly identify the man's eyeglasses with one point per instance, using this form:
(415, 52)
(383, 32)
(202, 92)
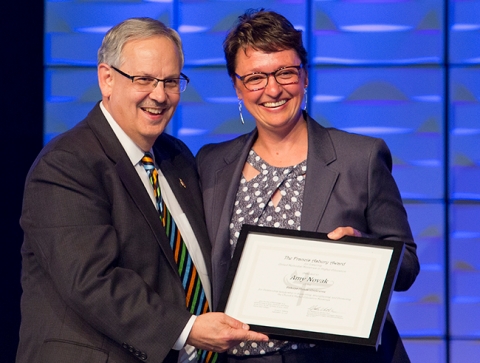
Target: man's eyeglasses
(148, 84)
(259, 80)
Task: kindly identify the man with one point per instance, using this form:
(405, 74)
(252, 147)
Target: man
(100, 283)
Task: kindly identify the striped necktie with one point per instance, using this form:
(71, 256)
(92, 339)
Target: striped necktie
(196, 300)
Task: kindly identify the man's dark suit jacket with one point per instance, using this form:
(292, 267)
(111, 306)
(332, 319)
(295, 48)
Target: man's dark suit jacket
(98, 276)
(348, 183)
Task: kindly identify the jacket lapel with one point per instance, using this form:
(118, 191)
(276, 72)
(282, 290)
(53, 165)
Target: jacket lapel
(227, 178)
(226, 183)
(129, 178)
(321, 176)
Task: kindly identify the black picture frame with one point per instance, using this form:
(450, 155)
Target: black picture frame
(250, 236)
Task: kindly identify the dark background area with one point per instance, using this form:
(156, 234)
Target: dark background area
(21, 134)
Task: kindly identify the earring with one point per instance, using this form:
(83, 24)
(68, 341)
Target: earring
(305, 98)
(240, 110)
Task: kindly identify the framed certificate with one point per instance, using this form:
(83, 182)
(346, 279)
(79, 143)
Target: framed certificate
(300, 285)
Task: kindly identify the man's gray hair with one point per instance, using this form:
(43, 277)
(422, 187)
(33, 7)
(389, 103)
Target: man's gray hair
(110, 51)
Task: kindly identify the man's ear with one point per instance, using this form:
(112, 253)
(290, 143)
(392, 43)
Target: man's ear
(105, 79)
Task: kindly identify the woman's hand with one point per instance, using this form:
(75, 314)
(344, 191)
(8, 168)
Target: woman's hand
(339, 232)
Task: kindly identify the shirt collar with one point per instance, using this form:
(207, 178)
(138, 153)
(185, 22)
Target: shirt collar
(134, 153)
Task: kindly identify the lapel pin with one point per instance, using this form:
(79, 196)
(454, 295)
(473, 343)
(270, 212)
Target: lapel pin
(182, 183)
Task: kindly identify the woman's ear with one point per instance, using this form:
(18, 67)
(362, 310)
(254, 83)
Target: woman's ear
(306, 78)
(237, 88)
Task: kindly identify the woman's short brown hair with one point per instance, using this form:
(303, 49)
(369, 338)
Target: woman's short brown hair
(262, 30)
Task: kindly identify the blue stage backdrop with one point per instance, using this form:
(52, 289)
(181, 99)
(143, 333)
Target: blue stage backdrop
(407, 71)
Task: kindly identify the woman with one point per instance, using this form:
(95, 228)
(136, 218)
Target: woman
(291, 172)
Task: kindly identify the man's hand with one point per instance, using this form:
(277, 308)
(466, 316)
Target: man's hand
(339, 232)
(218, 332)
